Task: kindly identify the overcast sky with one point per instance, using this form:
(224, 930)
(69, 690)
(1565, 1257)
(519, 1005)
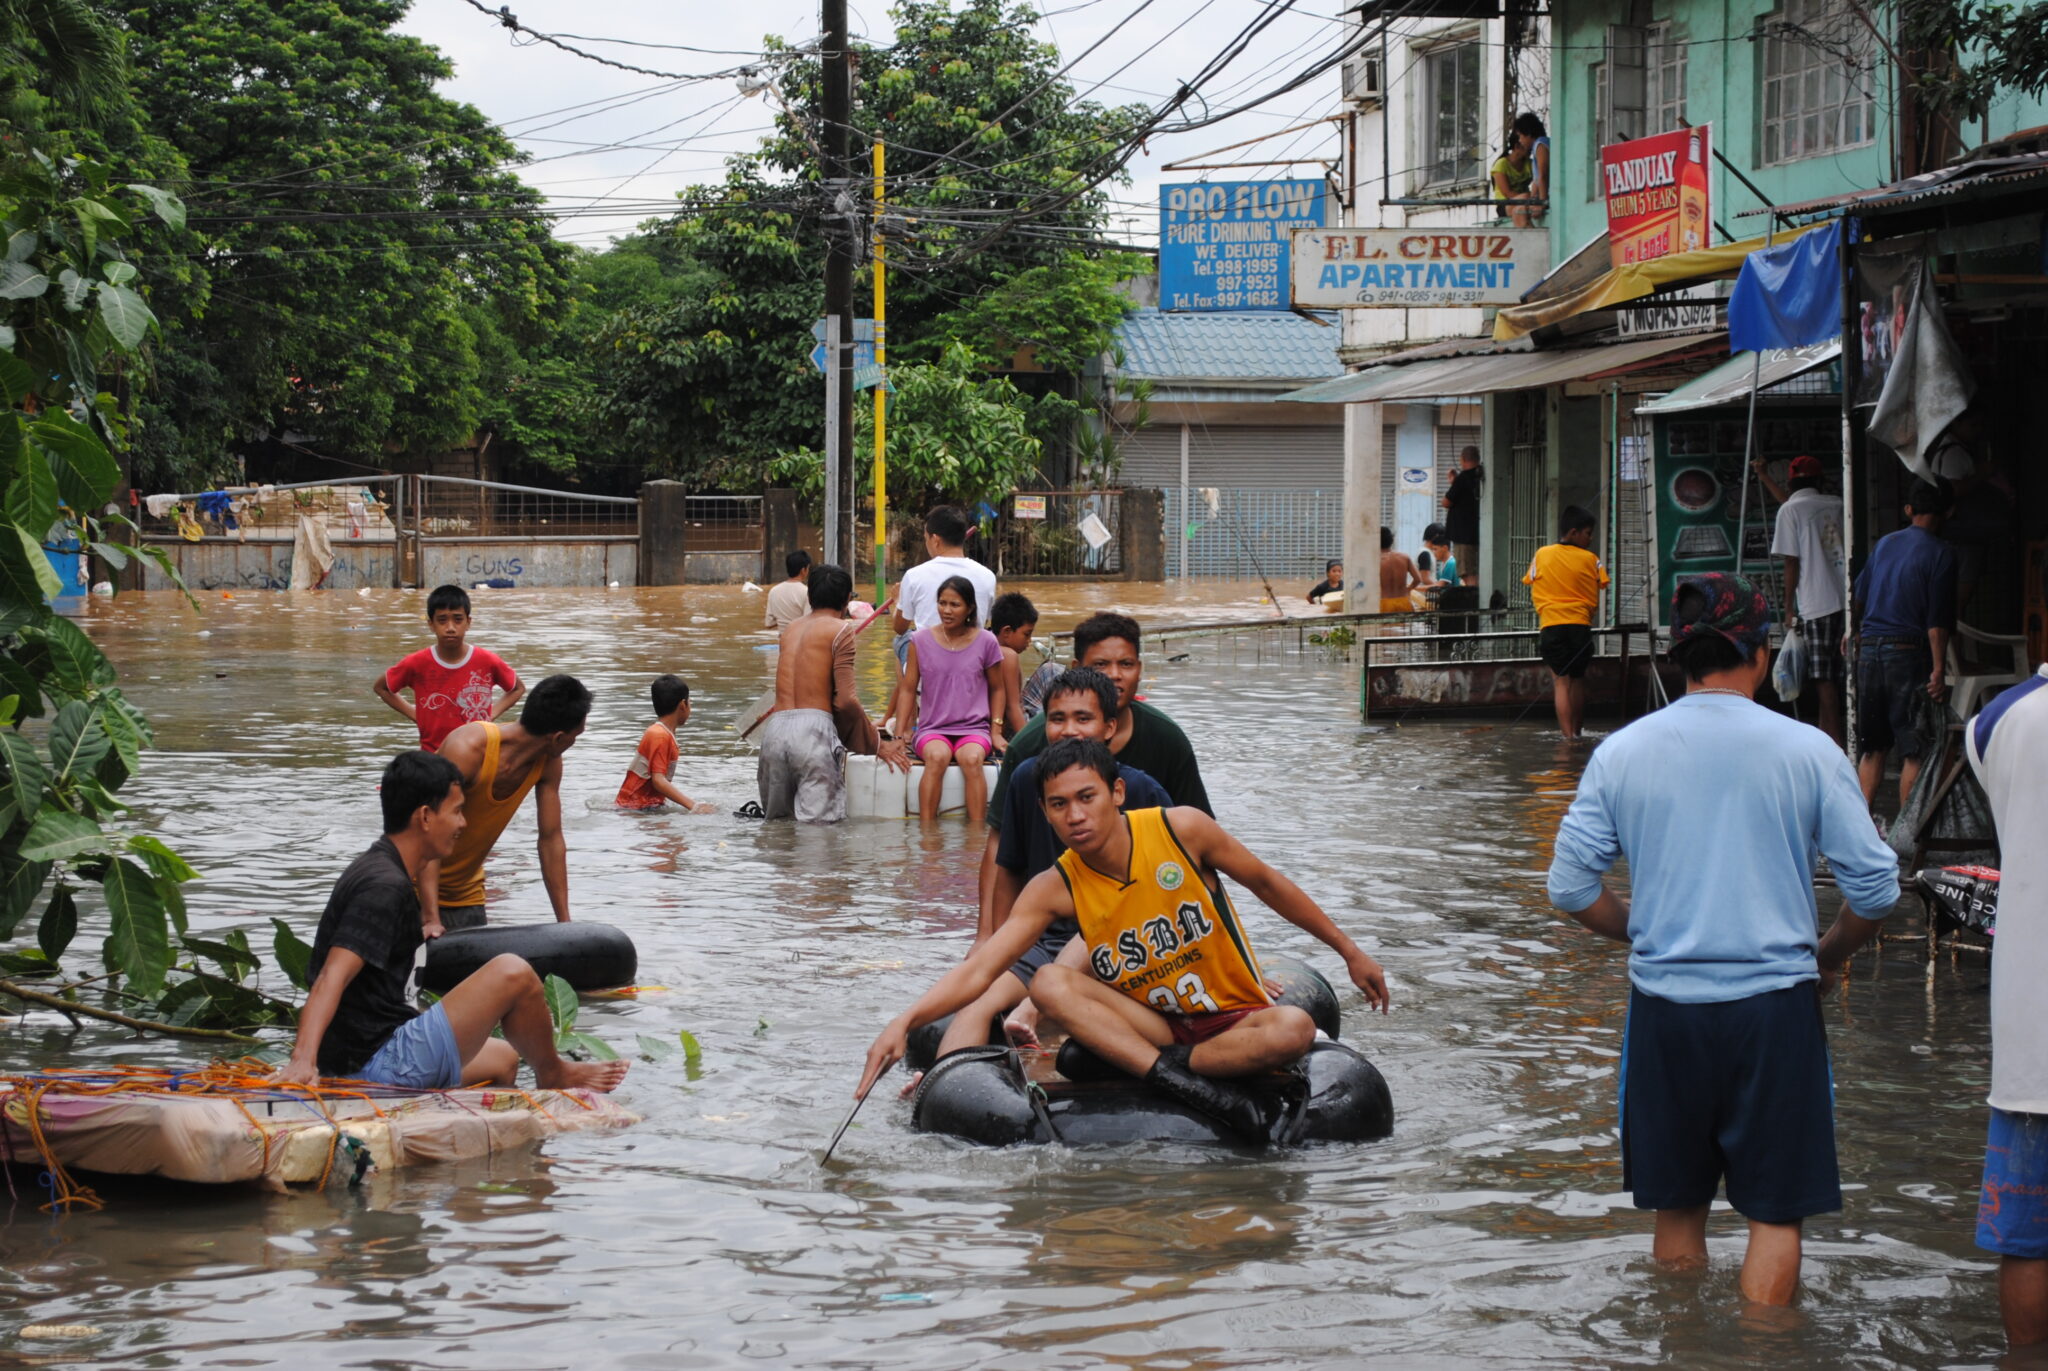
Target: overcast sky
(611, 148)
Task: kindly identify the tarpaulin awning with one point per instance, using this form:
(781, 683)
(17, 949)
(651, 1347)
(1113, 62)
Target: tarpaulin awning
(1460, 376)
(1736, 377)
(1633, 282)
(1789, 295)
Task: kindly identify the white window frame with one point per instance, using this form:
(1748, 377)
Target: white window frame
(1817, 74)
(1463, 46)
(1666, 62)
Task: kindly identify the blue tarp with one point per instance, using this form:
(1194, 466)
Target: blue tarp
(1789, 296)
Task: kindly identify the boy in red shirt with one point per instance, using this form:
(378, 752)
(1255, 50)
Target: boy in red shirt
(651, 779)
(451, 682)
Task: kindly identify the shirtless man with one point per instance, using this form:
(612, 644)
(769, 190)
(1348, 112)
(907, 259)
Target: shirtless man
(1398, 576)
(817, 717)
(1172, 993)
(499, 764)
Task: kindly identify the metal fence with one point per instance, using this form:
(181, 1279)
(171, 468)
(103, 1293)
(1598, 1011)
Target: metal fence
(1286, 535)
(1046, 533)
(450, 508)
(723, 523)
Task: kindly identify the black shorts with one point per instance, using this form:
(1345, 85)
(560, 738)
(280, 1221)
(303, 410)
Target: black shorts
(1893, 709)
(1041, 953)
(1740, 1089)
(1824, 646)
(1567, 648)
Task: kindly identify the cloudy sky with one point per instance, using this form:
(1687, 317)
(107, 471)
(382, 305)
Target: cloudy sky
(611, 148)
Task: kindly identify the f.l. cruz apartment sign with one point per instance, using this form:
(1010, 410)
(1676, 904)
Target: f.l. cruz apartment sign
(1415, 268)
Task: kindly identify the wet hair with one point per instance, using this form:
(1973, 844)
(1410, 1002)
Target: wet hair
(559, 704)
(1436, 533)
(1083, 680)
(1574, 518)
(413, 780)
(1068, 753)
(668, 692)
(1331, 566)
(1386, 538)
(1100, 628)
(1528, 124)
(1011, 610)
(795, 563)
(831, 587)
(947, 523)
(1932, 497)
(446, 597)
(964, 588)
(1708, 653)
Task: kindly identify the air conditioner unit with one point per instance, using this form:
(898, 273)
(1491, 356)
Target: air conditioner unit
(1362, 79)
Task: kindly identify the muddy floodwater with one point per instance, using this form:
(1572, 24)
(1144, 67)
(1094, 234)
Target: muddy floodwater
(1490, 1230)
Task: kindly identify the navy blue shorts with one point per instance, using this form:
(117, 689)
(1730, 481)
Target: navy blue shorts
(1043, 952)
(1893, 707)
(1738, 1090)
(2012, 1211)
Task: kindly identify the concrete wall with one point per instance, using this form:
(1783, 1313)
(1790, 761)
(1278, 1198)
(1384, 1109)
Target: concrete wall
(225, 564)
(722, 568)
(584, 562)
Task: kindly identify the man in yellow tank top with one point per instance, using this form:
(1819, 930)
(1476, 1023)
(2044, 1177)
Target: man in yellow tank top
(1173, 993)
(499, 765)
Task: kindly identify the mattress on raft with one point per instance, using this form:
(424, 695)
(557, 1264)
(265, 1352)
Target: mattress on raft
(281, 1137)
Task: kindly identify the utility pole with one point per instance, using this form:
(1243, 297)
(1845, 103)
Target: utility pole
(881, 390)
(840, 228)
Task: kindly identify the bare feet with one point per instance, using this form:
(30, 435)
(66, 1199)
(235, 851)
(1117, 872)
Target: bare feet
(907, 1091)
(1019, 1033)
(583, 1076)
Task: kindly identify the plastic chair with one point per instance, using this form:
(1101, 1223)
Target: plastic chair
(1967, 691)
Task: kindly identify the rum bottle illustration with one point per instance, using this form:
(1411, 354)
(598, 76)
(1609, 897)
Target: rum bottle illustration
(1692, 194)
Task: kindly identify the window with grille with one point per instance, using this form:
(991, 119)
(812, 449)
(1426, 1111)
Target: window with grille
(1453, 116)
(1665, 62)
(1646, 92)
(1819, 65)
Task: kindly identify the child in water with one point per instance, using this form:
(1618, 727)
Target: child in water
(946, 699)
(451, 682)
(651, 778)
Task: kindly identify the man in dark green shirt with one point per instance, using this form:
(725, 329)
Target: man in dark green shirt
(1145, 738)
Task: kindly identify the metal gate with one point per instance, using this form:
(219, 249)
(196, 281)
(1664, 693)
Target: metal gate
(1285, 534)
(1527, 466)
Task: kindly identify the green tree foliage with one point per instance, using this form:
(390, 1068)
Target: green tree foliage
(1065, 312)
(1966, 53)
(66, 48)
(367, 252)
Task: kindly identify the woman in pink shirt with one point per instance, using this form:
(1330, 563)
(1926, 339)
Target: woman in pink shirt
(947, 698)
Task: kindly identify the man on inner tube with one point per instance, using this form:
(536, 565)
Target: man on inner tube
(1172, 993)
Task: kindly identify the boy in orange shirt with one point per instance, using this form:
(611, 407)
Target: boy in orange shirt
(1564, 584)
(651, 779)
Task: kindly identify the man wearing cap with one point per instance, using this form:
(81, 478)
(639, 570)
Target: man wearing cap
(1809, 537)
(1720, 807)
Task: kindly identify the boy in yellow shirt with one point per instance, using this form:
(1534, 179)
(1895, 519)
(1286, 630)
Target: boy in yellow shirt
(1564, 584)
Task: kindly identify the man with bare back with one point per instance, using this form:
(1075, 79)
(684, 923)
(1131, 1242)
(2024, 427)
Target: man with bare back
(1398, 576)
(817, 717)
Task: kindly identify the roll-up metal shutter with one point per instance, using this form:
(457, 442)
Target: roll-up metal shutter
(1266, 457)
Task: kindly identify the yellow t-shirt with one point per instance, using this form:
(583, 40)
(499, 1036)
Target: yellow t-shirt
(1564, 583)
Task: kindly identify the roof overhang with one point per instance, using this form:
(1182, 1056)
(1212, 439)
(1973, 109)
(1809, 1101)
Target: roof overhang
(1636, 280)
(1453, 377)
(1735, 378)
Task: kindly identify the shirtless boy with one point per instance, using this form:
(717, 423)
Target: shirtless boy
(817, 717)
(498, 764)
(1173, 992)
(1398, 576)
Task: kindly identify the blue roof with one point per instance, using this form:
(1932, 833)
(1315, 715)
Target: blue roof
(1270, 346)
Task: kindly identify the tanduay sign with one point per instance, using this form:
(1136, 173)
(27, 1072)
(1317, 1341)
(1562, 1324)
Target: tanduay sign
(1410, 268)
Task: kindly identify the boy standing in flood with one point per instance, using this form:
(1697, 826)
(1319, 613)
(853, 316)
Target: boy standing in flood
(451, 682)
(1564, 584)
(651, 776)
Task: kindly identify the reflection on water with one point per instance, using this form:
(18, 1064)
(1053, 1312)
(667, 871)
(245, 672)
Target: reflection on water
(1488, 1230)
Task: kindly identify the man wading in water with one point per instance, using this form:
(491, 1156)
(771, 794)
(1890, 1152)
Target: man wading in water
(499, 764)
(1173, 993)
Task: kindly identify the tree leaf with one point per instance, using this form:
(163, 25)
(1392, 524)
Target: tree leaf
(86, 472)
(120, 273)
(234, 962)
(160, 859)
(693, 1054)
(139, 942)
(21, 788)
(20, 882)
(123, 726)
(23, 558)
(17, 379)
(59, 833)
(22, 245)
(655, 1049)
(77, 741)
(20, 281)
(59, 924)
(15, 679)
(26, 964)
(173, 900)
(562, 1004)
(77, 666)
(162, 203)
(125, 316)
(598, 1049)
(294, 957)
(31, 499)
(113, 554)
(74, 287)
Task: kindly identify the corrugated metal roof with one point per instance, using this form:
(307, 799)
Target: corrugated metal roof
(1227, 348)
(1745, 371)
(1483, 374)
(1944, 181)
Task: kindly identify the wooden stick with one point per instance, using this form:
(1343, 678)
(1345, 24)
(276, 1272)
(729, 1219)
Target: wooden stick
(71, 1007)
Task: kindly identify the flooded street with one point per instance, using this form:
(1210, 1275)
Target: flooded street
(1490, 1230)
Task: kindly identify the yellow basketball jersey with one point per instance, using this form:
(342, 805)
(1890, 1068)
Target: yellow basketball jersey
(1164, 938)
(462, 871)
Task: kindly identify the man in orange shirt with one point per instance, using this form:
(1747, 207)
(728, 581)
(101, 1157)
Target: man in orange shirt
(1564, 583)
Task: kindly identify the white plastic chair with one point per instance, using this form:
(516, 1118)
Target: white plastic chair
(1966, 692)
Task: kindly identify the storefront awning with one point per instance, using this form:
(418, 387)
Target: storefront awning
(1463, 376)
(1633, 282)
(1735, 378)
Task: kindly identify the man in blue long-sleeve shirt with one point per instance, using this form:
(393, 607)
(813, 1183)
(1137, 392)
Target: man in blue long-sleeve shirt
(1905, 611)
(1720, 805)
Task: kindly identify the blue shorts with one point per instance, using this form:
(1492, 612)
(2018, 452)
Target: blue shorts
(1738, 1089)
(421, 1055)
(1893, 709)
(1046, 950)
(2012, 1211)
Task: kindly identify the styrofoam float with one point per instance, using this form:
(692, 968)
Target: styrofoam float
(876, 791)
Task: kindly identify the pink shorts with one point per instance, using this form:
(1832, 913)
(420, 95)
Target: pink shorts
(1189, 1029)
(953, 740)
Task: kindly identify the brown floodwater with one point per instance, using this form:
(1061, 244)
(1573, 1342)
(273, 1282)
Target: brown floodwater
(1489, 1230)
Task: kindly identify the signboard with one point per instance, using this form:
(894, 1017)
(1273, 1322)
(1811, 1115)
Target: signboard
(1694, 310)
(1223, 244)
(1656, 191)
(865, 373)
(1409, 269)
(1029, 506)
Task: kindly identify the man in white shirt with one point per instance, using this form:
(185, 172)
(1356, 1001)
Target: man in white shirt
(790, 600)
(2008, 746)
(917, 594)
(1809, 537)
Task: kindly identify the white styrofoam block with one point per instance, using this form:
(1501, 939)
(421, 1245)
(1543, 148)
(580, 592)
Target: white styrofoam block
(876, 791)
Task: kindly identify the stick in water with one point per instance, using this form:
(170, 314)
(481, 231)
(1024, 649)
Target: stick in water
(844, 1124)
